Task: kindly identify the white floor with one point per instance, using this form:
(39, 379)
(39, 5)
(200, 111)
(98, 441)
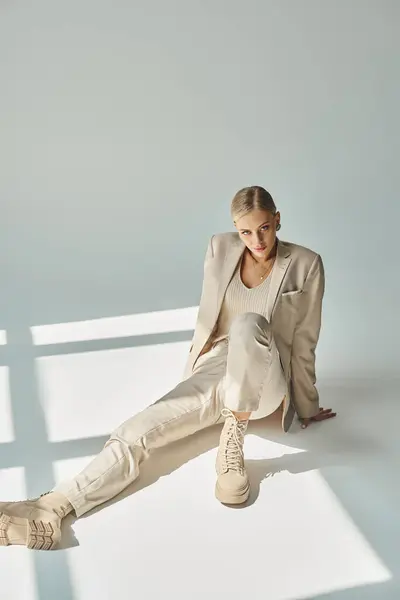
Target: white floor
(323, 520)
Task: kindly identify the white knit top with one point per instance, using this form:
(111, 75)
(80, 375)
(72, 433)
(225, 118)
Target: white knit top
(239, 299)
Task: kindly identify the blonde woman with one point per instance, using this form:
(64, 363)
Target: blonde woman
(253, 353)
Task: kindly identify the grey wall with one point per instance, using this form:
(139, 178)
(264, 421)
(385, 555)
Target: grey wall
(127, 127)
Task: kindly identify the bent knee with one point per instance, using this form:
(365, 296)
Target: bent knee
(249, 323)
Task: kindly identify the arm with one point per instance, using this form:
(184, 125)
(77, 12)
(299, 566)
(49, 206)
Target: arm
(304, 393)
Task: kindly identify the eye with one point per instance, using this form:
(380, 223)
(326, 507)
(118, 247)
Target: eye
(263, 228)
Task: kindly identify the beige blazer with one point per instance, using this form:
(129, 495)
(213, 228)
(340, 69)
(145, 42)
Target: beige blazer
(293, 307)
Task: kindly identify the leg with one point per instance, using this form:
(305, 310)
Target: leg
(250, 356)
(192, 405)
(249, 360)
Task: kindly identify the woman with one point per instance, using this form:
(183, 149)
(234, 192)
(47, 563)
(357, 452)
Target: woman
(253, 352)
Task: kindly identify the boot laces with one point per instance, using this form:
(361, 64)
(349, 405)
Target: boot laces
(233, 455)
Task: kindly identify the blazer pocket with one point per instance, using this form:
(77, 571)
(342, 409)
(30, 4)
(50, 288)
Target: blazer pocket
(292, 293)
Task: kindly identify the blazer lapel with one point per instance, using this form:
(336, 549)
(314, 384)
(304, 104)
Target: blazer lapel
(282, 262)
(230, 261)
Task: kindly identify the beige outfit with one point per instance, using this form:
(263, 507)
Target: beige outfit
(244, 370)
(293, 307)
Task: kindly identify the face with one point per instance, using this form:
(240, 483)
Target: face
(257, 229)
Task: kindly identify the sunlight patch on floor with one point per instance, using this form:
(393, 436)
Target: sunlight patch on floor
(6, 425)
(296, 541)
(163, 321)
(89, 394)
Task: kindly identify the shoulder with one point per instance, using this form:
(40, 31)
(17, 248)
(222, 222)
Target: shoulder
(226, 238)
(220, 243)
(301, 253)
(305, 262)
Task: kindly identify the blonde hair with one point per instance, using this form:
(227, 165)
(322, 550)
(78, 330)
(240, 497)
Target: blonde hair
(251, 198)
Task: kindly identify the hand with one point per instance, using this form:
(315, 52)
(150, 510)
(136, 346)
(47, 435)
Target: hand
(321, 416)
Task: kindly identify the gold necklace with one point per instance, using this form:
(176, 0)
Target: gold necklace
(268, 269)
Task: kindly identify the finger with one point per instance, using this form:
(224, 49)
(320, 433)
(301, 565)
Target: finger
(323, 414)
(325, 410)
(323, 417)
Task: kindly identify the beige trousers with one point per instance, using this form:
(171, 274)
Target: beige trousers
(242, 373)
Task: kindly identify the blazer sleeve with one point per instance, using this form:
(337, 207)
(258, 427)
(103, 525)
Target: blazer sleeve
(209, 254)
(303, 391)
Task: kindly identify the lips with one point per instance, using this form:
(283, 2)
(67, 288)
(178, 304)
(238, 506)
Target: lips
(263, 248)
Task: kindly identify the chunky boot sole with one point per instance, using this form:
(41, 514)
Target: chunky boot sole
(39, 535)
(230, 497)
